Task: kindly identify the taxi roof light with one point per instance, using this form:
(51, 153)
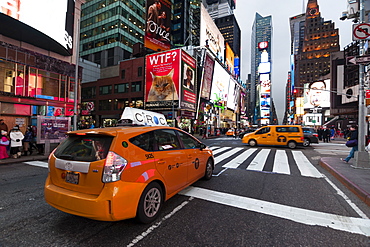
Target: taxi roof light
(113, 167)
(135, 116)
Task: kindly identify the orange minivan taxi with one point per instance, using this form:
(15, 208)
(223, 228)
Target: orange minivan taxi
(117, 173)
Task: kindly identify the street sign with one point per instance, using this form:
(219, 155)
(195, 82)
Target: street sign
(361, 31)
(358, 60)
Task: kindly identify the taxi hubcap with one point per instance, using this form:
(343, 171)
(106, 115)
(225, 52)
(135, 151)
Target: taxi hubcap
(152, 202)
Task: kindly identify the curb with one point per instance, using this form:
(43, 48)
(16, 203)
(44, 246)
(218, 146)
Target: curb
(360, 193)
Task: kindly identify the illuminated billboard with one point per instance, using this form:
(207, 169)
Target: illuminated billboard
(158, 25)
(220, 84)
(317, 94)
(210, 35)
(229, 58)
(54, 19)
(208, 66)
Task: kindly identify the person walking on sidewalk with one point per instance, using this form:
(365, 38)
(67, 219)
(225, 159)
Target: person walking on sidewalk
(352, 135)
(28, 138)
(4, 143)
(16, 138)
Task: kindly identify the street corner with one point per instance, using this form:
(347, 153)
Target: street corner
(355, 179)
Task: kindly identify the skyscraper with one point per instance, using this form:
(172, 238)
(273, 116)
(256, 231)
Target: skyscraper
(260, 55)
(109, 30)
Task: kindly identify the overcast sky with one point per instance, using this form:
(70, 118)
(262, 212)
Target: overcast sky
(281, 11)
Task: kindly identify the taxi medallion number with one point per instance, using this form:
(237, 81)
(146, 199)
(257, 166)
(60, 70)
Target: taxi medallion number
(72, 177)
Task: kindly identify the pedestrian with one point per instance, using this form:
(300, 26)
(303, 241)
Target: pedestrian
(28, 138)
(4, 143)
(353, 135)
(3, 126)
(326, 134)
(16, 138)
(205, 134)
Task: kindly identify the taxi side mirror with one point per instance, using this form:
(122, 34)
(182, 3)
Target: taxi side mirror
(202, 146)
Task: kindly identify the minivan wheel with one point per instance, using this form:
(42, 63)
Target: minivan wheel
(306, 142)
(150, 203)
(252, 143)
(209, 170)
(292, 145)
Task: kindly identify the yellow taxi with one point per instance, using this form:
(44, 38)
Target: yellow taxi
(117, 173)
(280, 135)
(230, 132)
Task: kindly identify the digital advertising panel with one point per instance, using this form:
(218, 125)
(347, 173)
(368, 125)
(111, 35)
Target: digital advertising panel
(316, 94)
(53, 129)
(189, 85)
(54, 19)
(210, 35)
(162, 80)
(229, 58)
(158, 25)
(209, 64)
(220, 84)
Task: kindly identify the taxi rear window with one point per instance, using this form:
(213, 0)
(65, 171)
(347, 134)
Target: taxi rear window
(84, 148)
(287, 129)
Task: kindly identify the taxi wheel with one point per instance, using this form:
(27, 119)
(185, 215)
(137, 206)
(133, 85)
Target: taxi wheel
(209, 170)
(150, 203)
(306, 142)
(252, 143)
(292, 145)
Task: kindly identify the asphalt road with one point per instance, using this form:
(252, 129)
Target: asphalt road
(239, 206)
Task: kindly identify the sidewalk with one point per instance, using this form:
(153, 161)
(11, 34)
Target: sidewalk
(24, 159)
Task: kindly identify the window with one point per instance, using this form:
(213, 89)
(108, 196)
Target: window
(188, 141)
(140, 71)
(263, 131)
(123, 74)
(144, 141)
(166, 139)
(136, 86)
(120, 104)
(105, 90)
(88, 92)
(121, 88)
(287, 129)
(105, 105)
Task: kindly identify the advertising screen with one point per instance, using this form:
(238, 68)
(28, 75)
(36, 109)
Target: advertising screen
(158, 25)
(210, 35)
(229, 58)
(162, 80)
(220, 84)
(53, 129)
(232, 95)
(52, 18)
(189, 86)
(316, 94)
(209, 64)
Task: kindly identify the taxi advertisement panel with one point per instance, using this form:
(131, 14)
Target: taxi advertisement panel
(189, 86)
(162, 80)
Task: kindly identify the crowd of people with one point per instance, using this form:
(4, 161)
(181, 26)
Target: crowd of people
(14, 143)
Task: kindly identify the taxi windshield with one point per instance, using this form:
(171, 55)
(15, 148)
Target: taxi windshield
(84, 148)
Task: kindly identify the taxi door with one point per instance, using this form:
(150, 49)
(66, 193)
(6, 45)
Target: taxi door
(171, 160)
(265, 136)
(196, 159)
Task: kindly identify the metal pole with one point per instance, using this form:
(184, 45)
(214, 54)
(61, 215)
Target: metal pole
(76, 76)
(361, 157)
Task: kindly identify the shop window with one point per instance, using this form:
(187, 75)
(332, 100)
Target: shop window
(105, 105)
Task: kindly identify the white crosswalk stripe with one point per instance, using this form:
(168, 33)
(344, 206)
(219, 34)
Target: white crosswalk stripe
(281, 162)
(43, 164)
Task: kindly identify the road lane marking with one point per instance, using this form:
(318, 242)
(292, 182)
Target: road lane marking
(259, 161)
(239, 159)
(299, 215)
(43, 164)
(305, 166)
(281, 164)
(220, 150)
(226, 155)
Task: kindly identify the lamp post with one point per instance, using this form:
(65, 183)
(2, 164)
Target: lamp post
(361, 156)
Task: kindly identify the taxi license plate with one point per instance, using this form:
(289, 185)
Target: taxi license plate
(72, 177)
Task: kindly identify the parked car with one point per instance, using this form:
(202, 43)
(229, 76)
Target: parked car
(117, 173)
(281, 135)
(310, 136)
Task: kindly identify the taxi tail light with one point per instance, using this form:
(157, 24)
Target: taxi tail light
(302, 138)
(315, 135)
(113, 167)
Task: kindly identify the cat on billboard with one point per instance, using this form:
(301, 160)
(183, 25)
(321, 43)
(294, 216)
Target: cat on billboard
(157, 31)
(162, 79)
